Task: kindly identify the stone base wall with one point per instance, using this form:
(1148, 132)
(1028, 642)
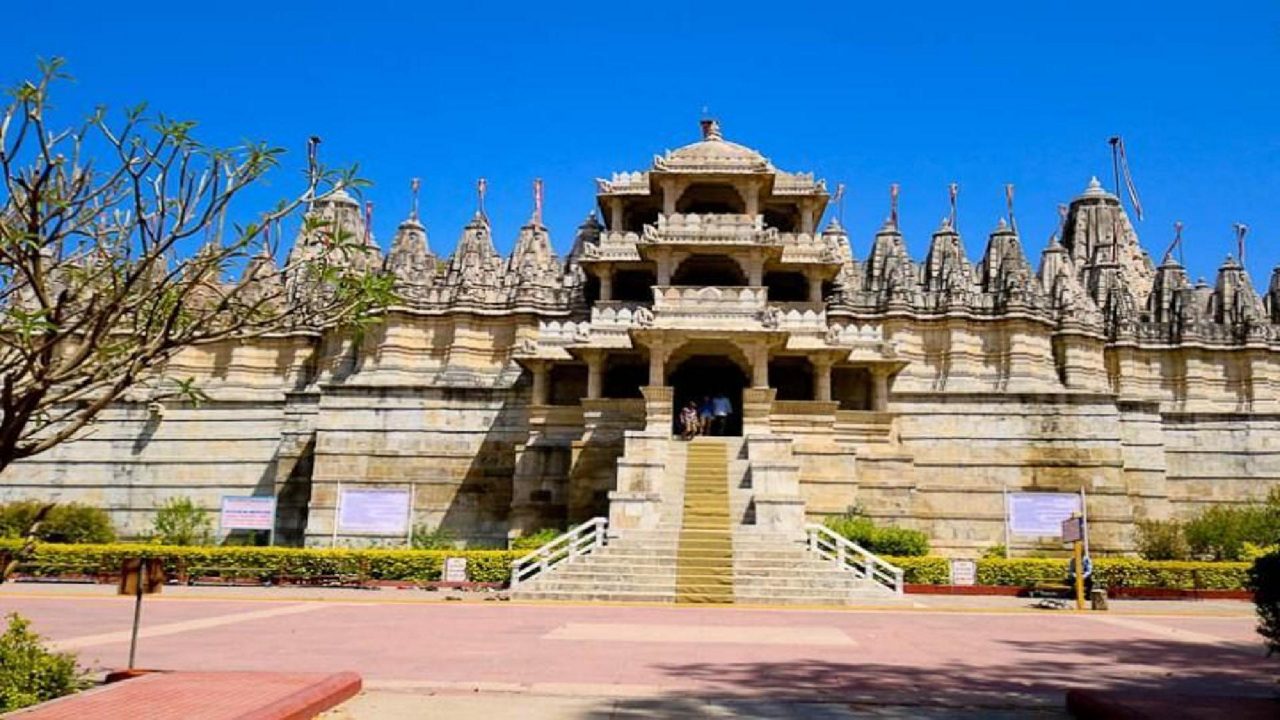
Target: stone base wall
(455, 448)
(132, 462)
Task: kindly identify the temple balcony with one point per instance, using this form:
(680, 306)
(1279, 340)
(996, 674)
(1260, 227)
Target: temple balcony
(711, 228)
(719, 301)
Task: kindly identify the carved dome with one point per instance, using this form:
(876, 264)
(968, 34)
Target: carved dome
(713, 154)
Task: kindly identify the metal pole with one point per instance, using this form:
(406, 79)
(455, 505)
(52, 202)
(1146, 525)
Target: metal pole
(1078, 550)
(137, 613)
(1008, 541)
(337, 511)
(413, 493)
(1084, 515)
(1115, 164)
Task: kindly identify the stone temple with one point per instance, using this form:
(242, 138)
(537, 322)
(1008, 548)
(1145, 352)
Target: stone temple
(533, 391)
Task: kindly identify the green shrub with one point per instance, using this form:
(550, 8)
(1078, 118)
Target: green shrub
(30, 673)
(438, 538)
(996, 551)
(65, 523)
(923, 570)
(531, 542)
(899, 542)
(1219, 532)
(179, 521)
(493, 566)
(1161, 540)
(1264, 581)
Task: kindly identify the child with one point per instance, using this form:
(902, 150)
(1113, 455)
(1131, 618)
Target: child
(689, 421)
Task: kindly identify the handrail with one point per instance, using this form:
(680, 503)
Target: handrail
(576, 542)
(852, 557)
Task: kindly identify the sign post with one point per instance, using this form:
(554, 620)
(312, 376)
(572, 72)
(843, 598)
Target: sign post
(138, 577)
(1073, 532)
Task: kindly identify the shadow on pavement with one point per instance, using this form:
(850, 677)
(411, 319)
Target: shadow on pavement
(1033, 687)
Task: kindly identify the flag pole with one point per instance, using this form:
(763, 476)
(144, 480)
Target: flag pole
(1114, 141)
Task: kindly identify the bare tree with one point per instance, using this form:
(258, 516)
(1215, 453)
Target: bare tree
(111, 265)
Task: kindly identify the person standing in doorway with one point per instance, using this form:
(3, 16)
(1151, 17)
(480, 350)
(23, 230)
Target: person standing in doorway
(705, 414)
(721, 409)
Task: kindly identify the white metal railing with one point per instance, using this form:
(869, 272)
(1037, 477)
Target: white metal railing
(851, 557)
(575, 543)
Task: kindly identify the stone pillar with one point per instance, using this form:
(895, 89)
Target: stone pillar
(657, 365)
(615, 214)
(821, 378)
(670, 194)
(606, 284)
(879, 389)
(541, 381)
(664, 267)
(595, 372)
(750, 193)
(759, 366)
(806, 217)
(815, 287)
(755, 269)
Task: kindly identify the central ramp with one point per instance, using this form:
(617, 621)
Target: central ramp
(704, 558)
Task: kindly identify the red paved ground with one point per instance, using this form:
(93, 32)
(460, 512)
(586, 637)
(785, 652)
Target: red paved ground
(904, 653)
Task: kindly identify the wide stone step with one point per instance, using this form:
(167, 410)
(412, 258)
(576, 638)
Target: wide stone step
(589, 586)
(597, 596)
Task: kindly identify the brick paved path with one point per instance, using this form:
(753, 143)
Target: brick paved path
(994, 653)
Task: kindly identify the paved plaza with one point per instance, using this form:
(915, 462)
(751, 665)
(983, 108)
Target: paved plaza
(424, 656)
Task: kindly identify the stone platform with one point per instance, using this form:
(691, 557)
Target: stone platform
(205, 696)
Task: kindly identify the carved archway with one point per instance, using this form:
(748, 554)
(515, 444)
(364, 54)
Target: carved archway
(709, 270)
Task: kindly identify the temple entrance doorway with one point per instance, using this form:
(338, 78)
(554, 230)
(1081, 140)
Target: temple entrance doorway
(701, 376)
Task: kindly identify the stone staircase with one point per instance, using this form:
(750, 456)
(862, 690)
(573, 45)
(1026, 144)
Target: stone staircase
(701, 552)
(704, 555)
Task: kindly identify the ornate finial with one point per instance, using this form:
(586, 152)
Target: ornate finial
(953, 191)
(1241, 230)
(413, 190)
(839, 201)
(481, 186)
(893, 205)
(1002, 225)
(1008, 202)
(537, 202)
(1177, 242)
(710, 129)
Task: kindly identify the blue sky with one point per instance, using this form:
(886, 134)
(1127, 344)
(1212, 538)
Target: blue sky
(917, 94)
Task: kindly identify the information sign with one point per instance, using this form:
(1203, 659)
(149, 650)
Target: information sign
(1032, 513)
(964, 572)
(373, 512)
(247, 513)
(1072, 529)
(455, 570)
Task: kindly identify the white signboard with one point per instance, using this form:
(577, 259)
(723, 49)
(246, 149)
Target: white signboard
(374, 512)
(964, 572)
(455, 570)
(247, 513)
(1031, 513)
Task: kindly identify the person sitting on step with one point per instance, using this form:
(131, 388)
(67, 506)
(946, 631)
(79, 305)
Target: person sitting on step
(689, 423)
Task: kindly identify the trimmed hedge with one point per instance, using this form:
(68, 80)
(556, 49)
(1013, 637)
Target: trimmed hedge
(1108, 572)
(495, 565)
(930, 570)
(272, 562)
